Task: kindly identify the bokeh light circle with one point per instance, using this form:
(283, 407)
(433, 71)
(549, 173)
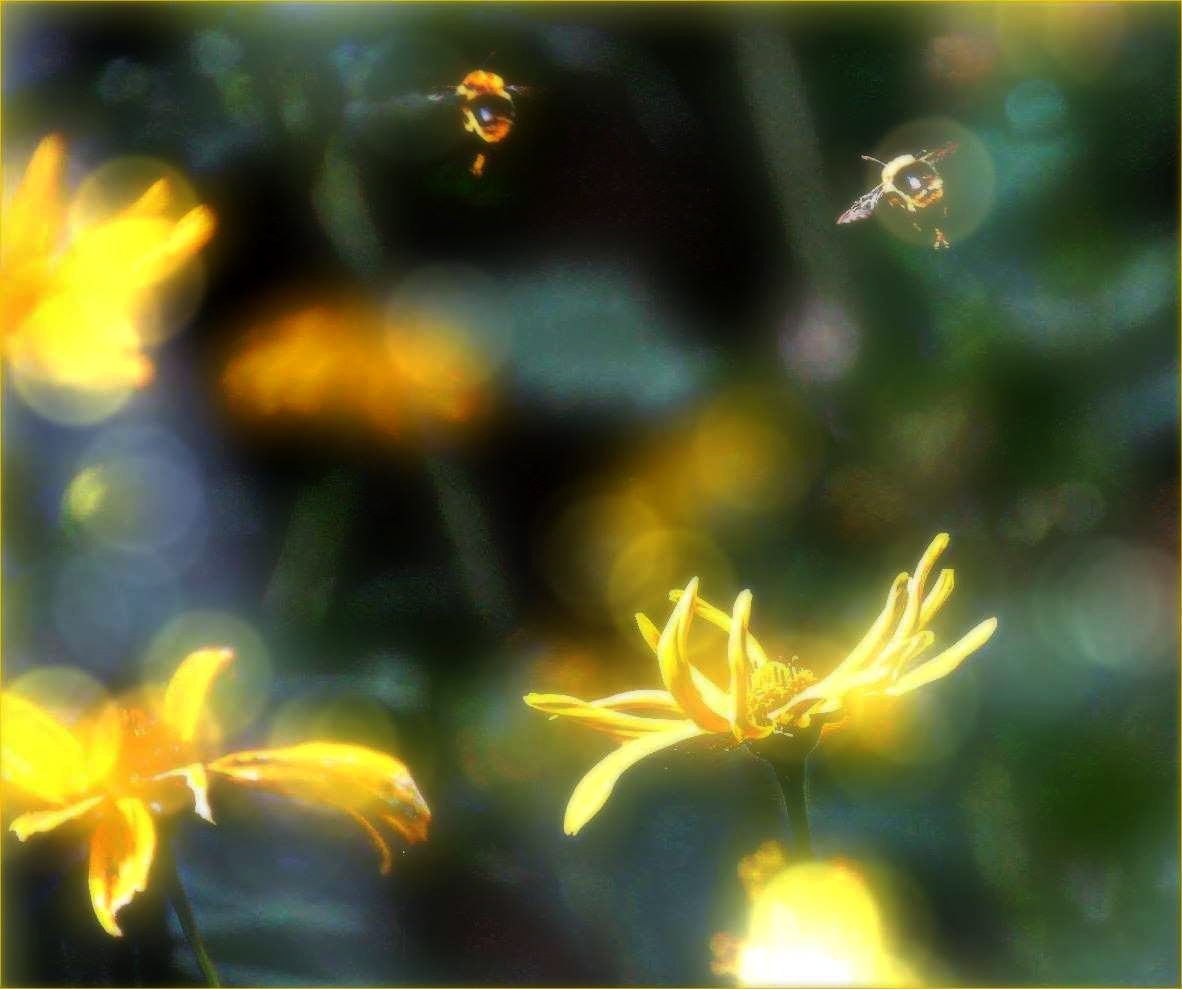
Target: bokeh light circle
(117, 184)
(969, 181)
(1111, 603)
(66, 692)
(138, 489)
(240, 693)
(75, 363)
(663, 560)
(583, 543)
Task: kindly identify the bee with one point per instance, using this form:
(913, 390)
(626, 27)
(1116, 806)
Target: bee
(910, 182)
(486, 108)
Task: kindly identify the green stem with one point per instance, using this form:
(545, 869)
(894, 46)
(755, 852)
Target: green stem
(788, 757)
(184, 914)
(792, 779)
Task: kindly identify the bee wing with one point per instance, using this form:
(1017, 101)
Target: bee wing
(521, 90)
(863, 206)
(931, 157)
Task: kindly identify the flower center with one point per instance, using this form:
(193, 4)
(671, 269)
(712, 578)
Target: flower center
(147, 746)
(774, 684)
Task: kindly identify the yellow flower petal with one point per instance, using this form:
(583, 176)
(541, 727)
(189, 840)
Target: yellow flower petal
(348, 777)
(121, 853)
(720, 619)
(652, 634)
(909, 623)
(617, 723)
(153, 202)
(184, 698)
(672, 653)
(592, 791)
(660, 701)
(40, 821)
(184, 239)
(936, 597)
(737, 659)
(38, 753)
(872, 641)
(715, 698)
(196, 779)
(33, 219)
(946, 662)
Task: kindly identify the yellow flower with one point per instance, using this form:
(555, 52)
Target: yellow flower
(142, 758)
(765, 696)
(76, 314)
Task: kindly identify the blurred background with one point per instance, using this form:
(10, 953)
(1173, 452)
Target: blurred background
(419, 442)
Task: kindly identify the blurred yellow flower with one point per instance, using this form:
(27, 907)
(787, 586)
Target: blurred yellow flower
(811, 924)
(765, 696)
(74, 307)
(143, 757)
(352, 365)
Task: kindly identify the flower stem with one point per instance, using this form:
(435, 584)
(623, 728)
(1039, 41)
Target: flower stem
(791, 776)
(184, 914)
(788, 757)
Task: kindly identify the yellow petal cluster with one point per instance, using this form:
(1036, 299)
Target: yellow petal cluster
(763, 696)
(73, 308)
(129, 763)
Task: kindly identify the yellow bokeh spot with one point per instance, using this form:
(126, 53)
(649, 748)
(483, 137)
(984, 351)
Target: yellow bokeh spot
(76, 360)
(84, 494)
(65, 692)
(813, 924)
(662, 560)
(584, 543)
(739, 461)
(80, 702)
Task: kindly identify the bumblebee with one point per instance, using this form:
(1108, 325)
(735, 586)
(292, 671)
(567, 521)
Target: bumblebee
(909, 182)
(486, 108)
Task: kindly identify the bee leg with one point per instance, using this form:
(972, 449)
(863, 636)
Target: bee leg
(477, 168)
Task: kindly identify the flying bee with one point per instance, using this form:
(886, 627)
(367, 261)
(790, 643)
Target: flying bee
(486, 108)
(909, 182)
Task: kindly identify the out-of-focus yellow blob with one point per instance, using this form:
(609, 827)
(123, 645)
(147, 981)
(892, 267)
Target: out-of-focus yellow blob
(585, 541)
(811, 924)
(658, 560)
(84, 494)
(923, 732)
(739, 460)
(87, 288)
(69, 379)
(65, 692)
(347, 365)
(239, 695)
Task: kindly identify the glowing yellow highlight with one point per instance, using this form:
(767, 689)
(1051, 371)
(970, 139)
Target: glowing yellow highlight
(348, 365)
(811, 924)
(82, 299)
(763, 695)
